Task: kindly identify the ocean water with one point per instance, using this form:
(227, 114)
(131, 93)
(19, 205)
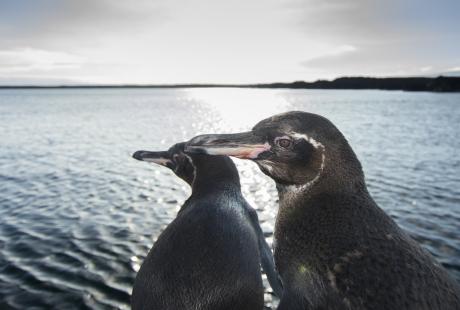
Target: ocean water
(78, 214)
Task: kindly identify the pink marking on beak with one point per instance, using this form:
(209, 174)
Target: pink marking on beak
(251, 152)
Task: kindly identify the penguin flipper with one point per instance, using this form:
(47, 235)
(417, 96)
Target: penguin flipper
(268, 265)
(292, 302)
(266, 256)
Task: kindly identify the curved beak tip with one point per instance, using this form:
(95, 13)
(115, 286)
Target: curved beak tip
(137, 155)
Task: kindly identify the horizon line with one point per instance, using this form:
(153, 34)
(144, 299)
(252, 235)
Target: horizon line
(440, 83)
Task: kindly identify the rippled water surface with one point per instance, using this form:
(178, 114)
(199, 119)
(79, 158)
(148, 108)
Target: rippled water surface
(78, 214)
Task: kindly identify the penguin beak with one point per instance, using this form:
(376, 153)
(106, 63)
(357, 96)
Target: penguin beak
(160, 158)
(243, 145)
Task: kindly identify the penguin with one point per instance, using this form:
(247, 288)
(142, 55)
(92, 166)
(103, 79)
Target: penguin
(334, 248)
(209, 256)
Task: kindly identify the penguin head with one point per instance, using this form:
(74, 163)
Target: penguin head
(174, 158)
(294, 148)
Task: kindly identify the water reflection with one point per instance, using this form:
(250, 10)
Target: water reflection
(238, 109)
(79, 215)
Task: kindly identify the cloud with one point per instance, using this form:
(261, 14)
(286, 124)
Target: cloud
(355, 21)
(39, 81)
(154, 41)
(425, 69)
(453, 71)
(29, 59)
(59, 23)
(367, 21)
(330, 55)
(366, 60)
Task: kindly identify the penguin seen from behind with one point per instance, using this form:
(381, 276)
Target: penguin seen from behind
(209, 257)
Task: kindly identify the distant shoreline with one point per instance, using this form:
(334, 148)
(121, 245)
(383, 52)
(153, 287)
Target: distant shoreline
(438, 84)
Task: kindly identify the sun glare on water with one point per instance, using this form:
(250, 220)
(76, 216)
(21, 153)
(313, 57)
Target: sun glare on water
(240, 109)
(234, 110)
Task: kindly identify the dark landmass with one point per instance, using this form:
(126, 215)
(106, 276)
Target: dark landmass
(438, 84)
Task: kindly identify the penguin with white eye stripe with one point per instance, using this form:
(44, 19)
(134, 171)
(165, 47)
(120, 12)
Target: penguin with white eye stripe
(209, 256)
(334, 247)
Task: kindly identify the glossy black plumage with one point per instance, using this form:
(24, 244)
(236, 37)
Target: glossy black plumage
(209, 256)
(335, 248)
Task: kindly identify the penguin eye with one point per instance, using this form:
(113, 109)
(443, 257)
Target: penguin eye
(284, 142)
(176, 158)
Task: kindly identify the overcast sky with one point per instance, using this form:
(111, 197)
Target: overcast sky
(239, 41)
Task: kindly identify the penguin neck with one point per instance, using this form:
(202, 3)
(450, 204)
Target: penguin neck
(332, 182)
(214, 174)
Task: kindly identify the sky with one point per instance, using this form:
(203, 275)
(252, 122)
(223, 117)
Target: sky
(213, 41)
